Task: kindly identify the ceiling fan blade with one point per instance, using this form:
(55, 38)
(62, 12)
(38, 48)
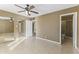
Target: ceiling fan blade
(22, 11)
(34, 12)
(31, 7)
(19, 6)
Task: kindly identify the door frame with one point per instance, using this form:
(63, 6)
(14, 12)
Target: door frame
(74, 27)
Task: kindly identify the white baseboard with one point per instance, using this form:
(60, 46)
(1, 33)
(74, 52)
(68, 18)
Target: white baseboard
(48, 40)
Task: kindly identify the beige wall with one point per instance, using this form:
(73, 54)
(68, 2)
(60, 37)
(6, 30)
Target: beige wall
(6, 26)
(48, 26)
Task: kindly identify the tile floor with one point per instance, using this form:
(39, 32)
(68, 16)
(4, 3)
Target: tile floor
(37, 46)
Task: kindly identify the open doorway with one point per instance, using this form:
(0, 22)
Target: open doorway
(34, 28)
(68, 29)
(21, 28)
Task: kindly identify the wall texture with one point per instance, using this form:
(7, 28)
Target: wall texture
(48, 26)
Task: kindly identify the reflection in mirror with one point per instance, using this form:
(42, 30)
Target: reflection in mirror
(6, 29)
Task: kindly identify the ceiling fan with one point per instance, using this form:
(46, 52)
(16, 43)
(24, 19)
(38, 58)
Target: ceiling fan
(27, 8)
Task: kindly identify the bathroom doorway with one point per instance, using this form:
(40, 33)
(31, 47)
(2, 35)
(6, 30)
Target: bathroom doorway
(68, 29)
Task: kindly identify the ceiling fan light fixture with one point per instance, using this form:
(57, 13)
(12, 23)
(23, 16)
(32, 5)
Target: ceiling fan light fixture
(11, 19)
(28, 9)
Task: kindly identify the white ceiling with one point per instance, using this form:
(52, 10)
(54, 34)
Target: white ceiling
(41, 8)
